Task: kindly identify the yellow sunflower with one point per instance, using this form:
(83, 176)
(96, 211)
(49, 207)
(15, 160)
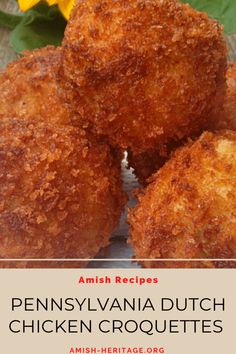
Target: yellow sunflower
(65, 6)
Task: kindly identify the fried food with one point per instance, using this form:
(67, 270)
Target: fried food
(60, 193)
(227, 118)
(149, 162)
(189, 209)
(148, 71)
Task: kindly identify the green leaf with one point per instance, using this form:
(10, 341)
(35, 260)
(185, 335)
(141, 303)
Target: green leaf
(9, 20)
(222, 10)
(40, 26)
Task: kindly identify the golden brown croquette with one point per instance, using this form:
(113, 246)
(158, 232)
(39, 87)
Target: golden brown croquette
(189, 209)
(60, 192)
(148, 71)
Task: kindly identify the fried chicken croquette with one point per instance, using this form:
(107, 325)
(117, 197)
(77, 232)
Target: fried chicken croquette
(60, 193)
(148, 71)
(149, 162)
(189, 209)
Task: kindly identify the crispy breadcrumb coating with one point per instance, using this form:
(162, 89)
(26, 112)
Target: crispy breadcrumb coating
(227, 118)
(149, 71)
(149, 162)
(189, 209)
(60, 193)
